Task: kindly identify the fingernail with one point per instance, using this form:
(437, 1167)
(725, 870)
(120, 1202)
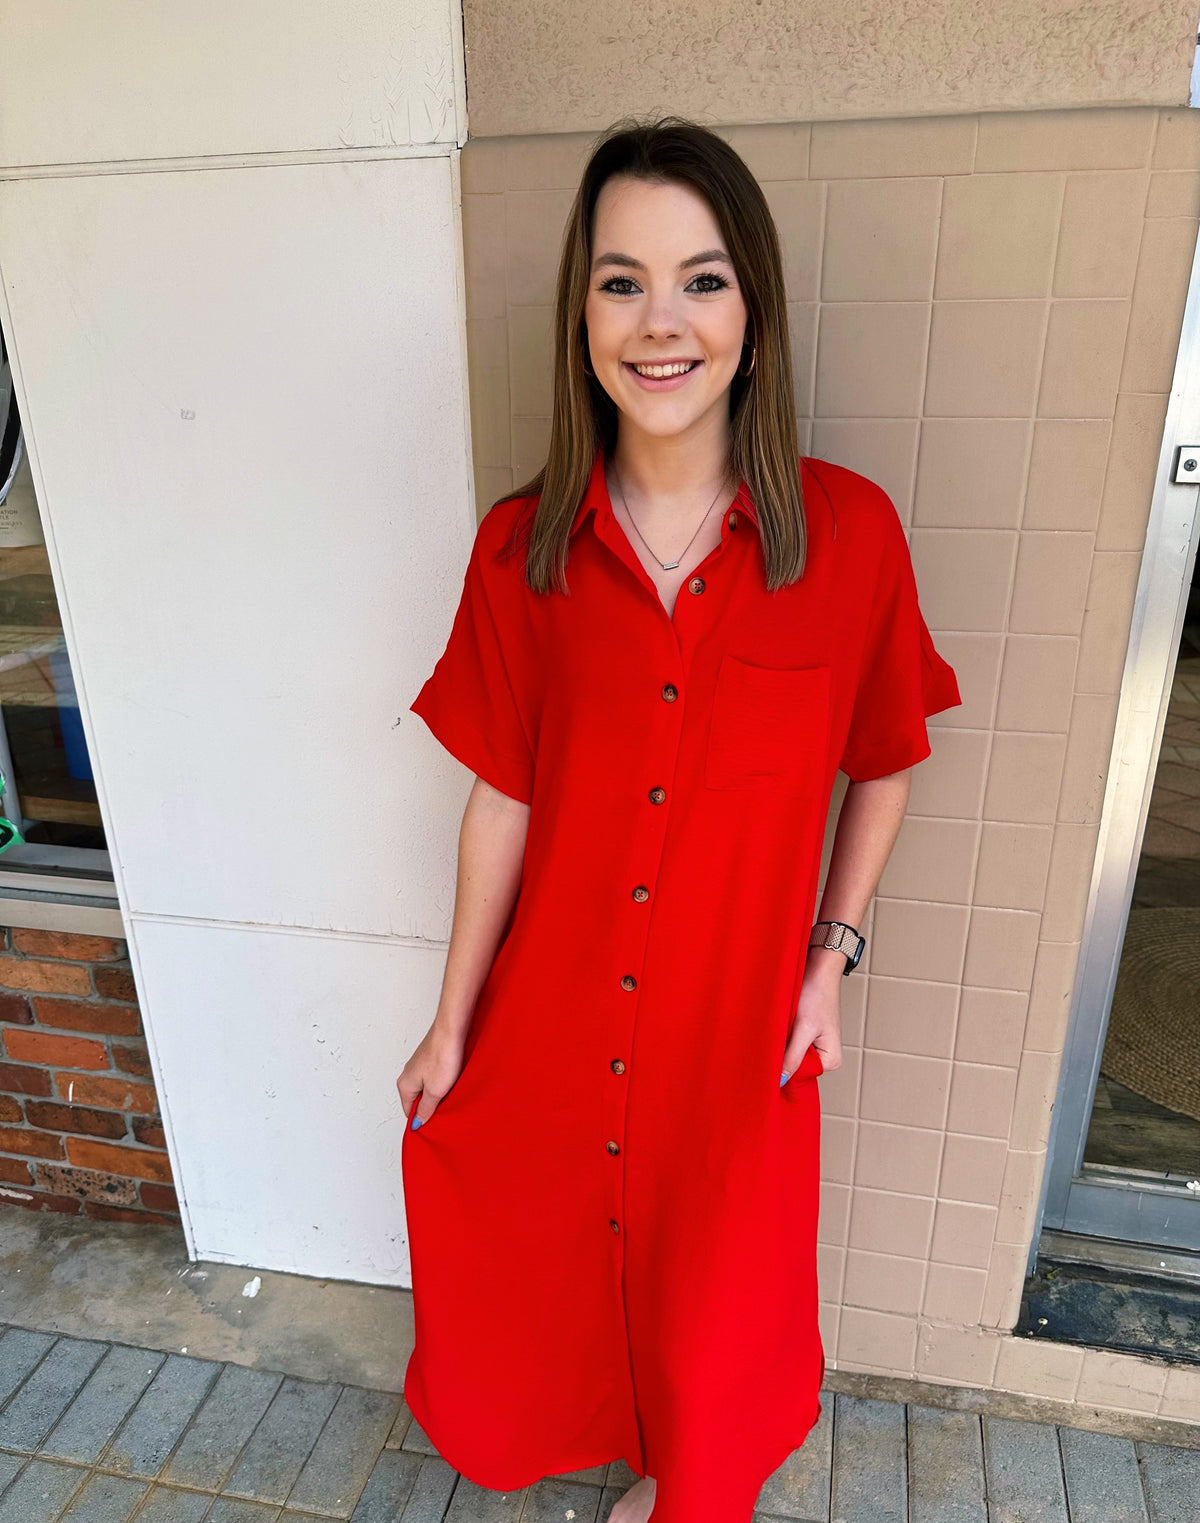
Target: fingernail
(784, 1080)
(416, 1122)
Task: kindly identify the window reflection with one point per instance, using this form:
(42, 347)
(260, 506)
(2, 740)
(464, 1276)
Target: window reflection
(51, 793)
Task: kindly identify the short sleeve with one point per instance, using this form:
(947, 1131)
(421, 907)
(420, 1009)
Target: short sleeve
(469, 701)
(901, 679)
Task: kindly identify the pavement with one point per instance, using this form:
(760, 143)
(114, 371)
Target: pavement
(224, 1413)
(99, 1432)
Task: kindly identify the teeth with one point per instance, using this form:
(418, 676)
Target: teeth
(657, 372)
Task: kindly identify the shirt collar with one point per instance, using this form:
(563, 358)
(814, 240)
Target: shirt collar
(596, 497)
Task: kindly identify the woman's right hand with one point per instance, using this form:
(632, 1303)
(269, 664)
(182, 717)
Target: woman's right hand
(491, 849)
(430, 1074)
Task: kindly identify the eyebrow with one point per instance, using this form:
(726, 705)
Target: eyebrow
(628, 262)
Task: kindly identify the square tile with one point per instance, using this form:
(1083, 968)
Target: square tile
(881, 238)
(1100, 232)
(960, 384)
(971, 472)
(870, 359)
(998, 235)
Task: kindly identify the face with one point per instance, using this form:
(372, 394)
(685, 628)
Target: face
(665, 319)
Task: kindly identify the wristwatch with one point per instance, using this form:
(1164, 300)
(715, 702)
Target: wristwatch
(840, 938)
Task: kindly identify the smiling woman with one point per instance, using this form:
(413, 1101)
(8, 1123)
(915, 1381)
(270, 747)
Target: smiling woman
(634, 321)
(638, 326)
(611, 1171)
(670, 258)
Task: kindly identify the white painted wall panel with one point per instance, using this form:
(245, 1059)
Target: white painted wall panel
(242, 372)
(281, 1087)
(138, 79)
(245, 405)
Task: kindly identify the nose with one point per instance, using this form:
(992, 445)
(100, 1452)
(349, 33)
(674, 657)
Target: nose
(662, 317)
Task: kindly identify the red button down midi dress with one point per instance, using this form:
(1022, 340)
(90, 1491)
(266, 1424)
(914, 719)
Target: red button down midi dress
(613, 1212)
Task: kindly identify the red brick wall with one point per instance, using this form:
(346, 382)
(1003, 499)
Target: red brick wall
(80, 1130)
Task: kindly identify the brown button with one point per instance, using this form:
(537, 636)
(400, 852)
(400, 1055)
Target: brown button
(617, 1066)
(696, 584)
(657, 795)
(670, 692)
(629, 982)
(641, 894)
(615, 1225)
(612, 1147)
(733, 520)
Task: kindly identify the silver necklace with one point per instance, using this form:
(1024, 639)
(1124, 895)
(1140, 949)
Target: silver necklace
(666, 565)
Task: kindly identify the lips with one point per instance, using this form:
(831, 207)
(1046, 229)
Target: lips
(658, 370)
(662, 375)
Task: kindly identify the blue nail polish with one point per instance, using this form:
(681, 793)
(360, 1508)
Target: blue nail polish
(416, 1122)
(784, 1080)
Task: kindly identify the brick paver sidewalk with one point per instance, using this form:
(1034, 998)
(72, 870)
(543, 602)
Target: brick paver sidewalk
(96, 1432)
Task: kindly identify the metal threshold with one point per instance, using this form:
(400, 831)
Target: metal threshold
(1104, 1293)
(1174, 1264)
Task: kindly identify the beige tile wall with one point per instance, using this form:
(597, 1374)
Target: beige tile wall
(985, 312)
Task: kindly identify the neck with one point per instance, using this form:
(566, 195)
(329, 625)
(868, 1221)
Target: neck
(676, 468)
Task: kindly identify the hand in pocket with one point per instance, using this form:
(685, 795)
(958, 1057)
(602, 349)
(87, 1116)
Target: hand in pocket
(429, 1075)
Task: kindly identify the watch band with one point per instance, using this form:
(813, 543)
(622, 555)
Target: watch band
(842, 938)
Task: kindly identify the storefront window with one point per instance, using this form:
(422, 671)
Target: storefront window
(50, 793)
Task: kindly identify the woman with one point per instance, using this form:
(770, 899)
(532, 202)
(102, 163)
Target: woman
(611, 1166)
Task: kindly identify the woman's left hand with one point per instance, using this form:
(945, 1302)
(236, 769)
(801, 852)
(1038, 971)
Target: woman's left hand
(818, 1015)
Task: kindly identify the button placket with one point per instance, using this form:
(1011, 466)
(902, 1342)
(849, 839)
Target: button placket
(648, 845)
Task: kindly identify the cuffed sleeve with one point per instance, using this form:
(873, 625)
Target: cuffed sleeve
(469, 701)
(902, 679)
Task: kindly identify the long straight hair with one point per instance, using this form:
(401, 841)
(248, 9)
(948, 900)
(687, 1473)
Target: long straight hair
(764, 450)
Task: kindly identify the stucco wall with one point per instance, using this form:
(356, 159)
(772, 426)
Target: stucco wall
(574, 67)
(985, 312)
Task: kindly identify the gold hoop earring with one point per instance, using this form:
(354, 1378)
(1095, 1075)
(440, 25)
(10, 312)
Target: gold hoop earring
(753, 362)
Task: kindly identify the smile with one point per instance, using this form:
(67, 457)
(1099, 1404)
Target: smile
(660, 372)
(667, 376)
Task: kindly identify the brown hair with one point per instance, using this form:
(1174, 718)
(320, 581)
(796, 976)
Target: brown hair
(764, 451)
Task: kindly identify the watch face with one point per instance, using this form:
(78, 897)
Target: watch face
(858, 952)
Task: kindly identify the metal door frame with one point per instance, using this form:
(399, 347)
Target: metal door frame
(1126, 1204)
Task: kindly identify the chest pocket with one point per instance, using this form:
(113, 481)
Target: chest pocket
(769, 726)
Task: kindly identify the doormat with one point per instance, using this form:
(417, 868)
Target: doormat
(1153, 1041)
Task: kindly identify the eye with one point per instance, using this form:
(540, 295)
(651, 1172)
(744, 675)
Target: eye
(719, 283)
(625, 282)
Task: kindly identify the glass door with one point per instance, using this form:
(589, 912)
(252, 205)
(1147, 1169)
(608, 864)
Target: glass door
(1145, 1119)
(1124, 1147)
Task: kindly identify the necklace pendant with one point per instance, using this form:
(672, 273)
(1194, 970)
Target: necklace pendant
(666, 565)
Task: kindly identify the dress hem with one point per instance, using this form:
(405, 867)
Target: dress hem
(544, 1475)
(611, 1459)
